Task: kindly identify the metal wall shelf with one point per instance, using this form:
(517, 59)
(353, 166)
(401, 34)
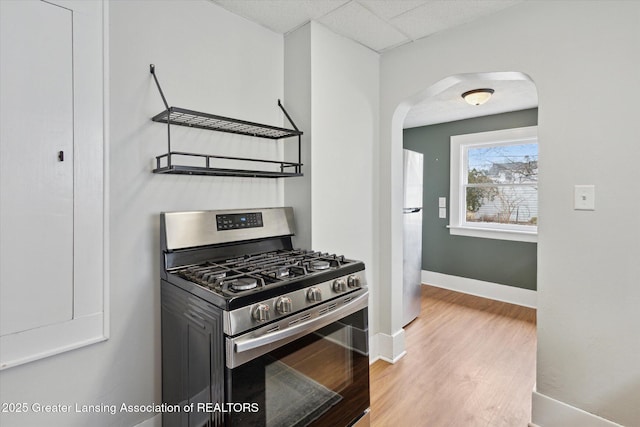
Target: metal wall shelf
(166, 163)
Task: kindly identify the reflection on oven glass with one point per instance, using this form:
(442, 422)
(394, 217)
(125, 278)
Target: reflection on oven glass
(305, 384)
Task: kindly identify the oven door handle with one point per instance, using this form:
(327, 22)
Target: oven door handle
(241, 350)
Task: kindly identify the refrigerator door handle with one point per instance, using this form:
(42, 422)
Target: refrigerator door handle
(411, 210)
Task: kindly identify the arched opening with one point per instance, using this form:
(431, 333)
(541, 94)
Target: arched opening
(513, 105)
(441, 107)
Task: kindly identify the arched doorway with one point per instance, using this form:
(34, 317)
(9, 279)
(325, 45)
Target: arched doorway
(457, 351)
(442, 103)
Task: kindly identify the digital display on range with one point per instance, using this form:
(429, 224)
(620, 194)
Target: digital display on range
(239, 221)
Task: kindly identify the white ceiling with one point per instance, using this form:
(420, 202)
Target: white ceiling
(378, 24)
(513, 92)
(385, 24)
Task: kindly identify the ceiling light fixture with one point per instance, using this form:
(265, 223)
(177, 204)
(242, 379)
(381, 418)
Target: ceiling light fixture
(477, 96)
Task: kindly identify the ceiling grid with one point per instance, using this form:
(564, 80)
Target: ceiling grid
(382, 25)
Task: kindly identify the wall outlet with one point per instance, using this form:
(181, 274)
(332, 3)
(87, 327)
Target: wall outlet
(442, 212)
(584, 198)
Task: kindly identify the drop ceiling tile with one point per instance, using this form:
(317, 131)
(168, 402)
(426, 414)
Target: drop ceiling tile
(437, 15)
(390, 9)
(281, 16)
(360, 24)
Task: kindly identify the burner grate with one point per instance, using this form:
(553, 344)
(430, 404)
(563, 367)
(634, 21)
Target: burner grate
(250, 273)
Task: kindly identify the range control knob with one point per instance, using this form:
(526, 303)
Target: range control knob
(353, 281)
(283, 305)
(314, 294)
(339, 285)
(261, 313)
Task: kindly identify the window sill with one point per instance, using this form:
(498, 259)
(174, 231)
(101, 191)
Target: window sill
(491, 233)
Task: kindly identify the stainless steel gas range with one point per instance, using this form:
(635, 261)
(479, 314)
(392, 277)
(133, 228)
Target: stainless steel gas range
(255, 332)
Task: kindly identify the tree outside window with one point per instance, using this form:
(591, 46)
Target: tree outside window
(502, 184)
(494, 184)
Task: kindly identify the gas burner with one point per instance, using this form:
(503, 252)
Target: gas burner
(283, 272)
(320, 264)
(242, 284)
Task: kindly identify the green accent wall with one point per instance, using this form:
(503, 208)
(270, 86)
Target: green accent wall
(497, 261)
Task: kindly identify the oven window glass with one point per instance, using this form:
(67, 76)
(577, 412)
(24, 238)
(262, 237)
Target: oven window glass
(318, 380)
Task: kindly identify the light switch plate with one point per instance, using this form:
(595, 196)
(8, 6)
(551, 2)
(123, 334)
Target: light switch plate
(442, 202)
(584, 198)
(442, 212)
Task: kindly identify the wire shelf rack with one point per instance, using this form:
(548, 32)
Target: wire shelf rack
(168, 163)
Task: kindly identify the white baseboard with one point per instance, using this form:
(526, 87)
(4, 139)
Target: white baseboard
(548, 412)
(389, 348)
(155, 421)
(374, 353)
(495, 291)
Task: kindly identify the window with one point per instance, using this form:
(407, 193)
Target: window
(494, 184)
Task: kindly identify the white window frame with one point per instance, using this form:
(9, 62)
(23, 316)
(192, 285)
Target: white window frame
(460, 145)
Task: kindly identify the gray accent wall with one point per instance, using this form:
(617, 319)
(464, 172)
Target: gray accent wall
(497, 261)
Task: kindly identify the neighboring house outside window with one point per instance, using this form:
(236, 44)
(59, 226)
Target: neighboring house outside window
(494, 184)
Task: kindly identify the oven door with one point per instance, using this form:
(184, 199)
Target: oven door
(312, 373)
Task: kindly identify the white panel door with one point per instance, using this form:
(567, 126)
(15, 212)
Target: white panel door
(36, 185)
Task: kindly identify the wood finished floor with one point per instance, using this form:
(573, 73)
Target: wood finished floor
(470, 362)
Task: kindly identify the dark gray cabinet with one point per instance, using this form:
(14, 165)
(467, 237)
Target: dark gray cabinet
(192, 360)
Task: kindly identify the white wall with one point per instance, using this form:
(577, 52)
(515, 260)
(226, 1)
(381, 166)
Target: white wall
(208, 60)
(333, 83)
(297, 92)
(583, 57)
(344, 105)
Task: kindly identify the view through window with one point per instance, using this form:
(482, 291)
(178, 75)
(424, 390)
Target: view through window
(494, 184)
(502, 184)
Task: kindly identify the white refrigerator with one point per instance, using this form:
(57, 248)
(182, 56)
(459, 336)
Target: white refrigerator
(412, 234)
